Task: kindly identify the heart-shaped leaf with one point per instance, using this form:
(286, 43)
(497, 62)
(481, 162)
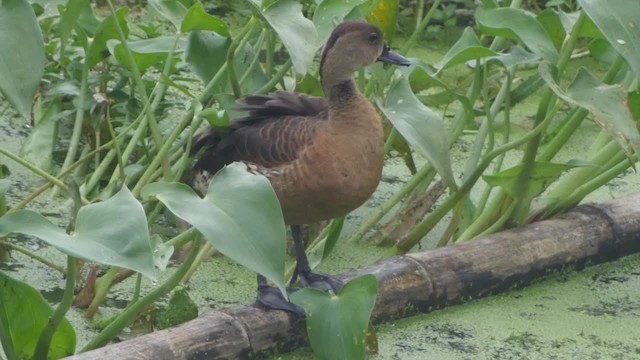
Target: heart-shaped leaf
(107, 30)
(520, 25)
(608, 104)
(330, 13)
(23, 315)
(297, 33)
(172, 10)
(197, 18)
(22, 57)
(420, 126)
(113, 232)
(467, 48)
(337, 324)
(240, 215)
(618, 21)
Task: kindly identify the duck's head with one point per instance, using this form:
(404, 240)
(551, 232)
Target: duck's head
(351, 46)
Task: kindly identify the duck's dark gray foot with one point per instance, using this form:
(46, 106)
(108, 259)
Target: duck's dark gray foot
(307, 277)
(270, 297)
(320, 281)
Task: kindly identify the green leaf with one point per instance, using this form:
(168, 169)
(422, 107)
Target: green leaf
(113, 232)
(330, 13)
(146, 53)
(181, 308)
(198, 19)
(172, 10)
(297, 33)
(107, 30)
(240, 215)
(467, 48)
(517, 24)
(337, 324)
(420, 126)
(38, 148)
(22, 57)
(69, 18)
(23, 315)
(550, 21)
(542, 175)
(206, 52)
(608, 104)
(618, 21)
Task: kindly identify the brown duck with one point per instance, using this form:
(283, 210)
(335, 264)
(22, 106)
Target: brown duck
(323, 156)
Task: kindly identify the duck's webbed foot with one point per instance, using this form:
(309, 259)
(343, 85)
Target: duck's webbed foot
(271, 298)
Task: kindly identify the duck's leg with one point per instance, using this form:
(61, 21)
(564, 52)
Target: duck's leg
(309, 278)
(271, 298)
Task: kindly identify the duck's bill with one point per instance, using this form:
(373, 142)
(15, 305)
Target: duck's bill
(392, 58)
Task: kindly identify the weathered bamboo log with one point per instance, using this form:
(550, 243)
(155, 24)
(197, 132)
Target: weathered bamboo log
(409, 284)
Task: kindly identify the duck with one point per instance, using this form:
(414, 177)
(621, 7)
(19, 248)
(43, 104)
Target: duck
(322, 155)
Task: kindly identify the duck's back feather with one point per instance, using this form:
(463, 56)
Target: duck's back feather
(275, 131)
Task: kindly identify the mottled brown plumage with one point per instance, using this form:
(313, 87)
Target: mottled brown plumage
(323, 156)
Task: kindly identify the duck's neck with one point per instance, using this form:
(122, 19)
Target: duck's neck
(341, 94)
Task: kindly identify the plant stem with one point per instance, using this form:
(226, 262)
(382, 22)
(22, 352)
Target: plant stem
(34, 256)
(523, 181)
(276, 78)
(231, 53)
(130, 313)
(44, 342)
(137, 79)
(430, 221)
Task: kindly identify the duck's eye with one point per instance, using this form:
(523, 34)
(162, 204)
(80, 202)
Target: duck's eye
(373, 38)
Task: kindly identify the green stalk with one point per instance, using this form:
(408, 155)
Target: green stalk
(523, 181)
(392, 202)
(275, 78)
(102, 288)
(576, 118)
(34, 256)
(430, 221)
(137, 79)
(231, 53)
(36, 170)
(129, 314)
(77, 125)
(44, 342)
(256, 59)
(583, 190)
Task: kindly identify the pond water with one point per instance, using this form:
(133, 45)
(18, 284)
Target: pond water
(593, 314)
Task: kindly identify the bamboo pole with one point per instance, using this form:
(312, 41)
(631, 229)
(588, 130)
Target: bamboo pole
(418, 282)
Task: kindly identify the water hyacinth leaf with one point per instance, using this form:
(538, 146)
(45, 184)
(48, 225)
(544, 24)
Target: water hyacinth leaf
(297, 33)
(197, 18)
(22, 59)
(38, 148)
(467, 48)
(519, 25)
(608, 104)
(172, 10)
(146, 53)
(542, 175)
(618, 21)
(420, 126)
(23, 315)
(330, 13)
(550, 21)
(337, 324)
(113, 232)
(206, 53)
(69, 17)
(107, 30)
(240, 215)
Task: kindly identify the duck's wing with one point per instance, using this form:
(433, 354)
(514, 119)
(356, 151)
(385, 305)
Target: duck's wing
(275, 131)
